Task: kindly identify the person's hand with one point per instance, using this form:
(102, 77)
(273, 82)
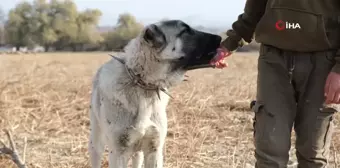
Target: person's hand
(332, 88)
(233, 41)
(228, 46)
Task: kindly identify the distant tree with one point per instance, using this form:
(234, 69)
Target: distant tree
(87, 33)
(126, 20)
(20, 25)
(127, 28)
(45, 34)
(73, 28)
(64, 22)
(2, 15)
(59, 24)
(52, 23)
(2, 28)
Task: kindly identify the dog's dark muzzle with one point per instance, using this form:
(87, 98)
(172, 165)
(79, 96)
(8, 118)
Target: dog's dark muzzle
(206, 49)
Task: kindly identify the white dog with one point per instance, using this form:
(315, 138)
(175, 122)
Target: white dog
(129, 100)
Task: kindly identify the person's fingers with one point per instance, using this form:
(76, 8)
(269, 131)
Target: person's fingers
(227, 53)
(330, 94)
(230, 32)
(337, 97)
(328, 81)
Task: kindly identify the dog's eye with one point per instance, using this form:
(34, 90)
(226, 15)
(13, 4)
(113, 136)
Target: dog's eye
(187, 30)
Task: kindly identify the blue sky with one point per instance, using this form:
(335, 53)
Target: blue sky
(215, 13)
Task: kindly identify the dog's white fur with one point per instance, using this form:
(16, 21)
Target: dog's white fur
(128, 119)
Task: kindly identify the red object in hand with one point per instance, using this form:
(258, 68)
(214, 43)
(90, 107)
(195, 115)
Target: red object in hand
(218, 61)
(332, 88)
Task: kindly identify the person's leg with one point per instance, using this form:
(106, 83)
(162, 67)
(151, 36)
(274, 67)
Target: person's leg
(313, 124)
(274, 109)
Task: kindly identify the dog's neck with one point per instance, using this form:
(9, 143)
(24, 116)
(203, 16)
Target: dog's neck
(143, 63)
(135, 62)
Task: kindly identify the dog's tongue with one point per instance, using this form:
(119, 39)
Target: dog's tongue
(219, 60)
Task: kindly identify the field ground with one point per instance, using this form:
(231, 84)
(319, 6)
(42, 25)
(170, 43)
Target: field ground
(45, 97)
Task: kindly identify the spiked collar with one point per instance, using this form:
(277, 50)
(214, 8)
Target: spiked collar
(136, 79)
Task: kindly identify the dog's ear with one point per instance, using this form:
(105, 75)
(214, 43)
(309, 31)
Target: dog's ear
(154, 36)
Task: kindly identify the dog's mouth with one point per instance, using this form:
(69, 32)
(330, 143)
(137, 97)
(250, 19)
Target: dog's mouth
(200, 52)
(207, 49)
(201, 61)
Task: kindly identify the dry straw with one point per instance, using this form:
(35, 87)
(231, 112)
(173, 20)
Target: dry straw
(45, 98)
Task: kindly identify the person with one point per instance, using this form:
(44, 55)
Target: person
(298, 82)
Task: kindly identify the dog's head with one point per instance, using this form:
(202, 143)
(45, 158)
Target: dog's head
(168, 49)
(181, 45)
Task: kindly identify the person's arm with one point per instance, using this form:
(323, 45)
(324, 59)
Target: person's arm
(246, 23)
(242, 29)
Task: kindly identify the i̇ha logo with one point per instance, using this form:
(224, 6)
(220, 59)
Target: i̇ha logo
(281, 25)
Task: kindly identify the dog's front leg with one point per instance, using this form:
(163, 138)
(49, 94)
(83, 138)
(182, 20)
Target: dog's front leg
(137, 160)
(142, 122)
(143, 115)
(159, 158)
(95, 148)
(152, 148)
(154, 159)
(95, 144)
(117, 160)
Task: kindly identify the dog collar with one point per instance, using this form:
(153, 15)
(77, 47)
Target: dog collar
(135, 79)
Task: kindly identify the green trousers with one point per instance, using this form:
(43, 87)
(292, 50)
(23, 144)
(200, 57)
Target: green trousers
(290, 94)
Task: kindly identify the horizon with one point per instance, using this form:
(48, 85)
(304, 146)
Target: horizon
(199, 14)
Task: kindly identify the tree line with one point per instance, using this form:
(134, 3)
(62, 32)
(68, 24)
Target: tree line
(59, 25)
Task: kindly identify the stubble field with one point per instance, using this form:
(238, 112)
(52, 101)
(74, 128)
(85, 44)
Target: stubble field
(45, 98)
